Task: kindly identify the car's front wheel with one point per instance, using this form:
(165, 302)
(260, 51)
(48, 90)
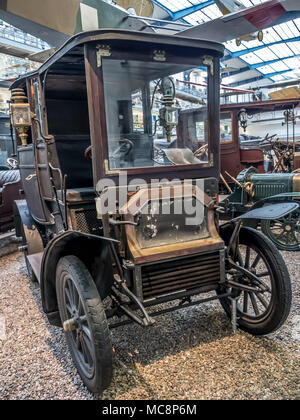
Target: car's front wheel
(266, 308)
(85, 324)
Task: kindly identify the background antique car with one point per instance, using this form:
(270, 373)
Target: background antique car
(239, 149)
(253, 190)
(242, 169)
(103, 104)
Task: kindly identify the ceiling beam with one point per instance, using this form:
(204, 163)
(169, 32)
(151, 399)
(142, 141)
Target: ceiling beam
(258, 78)
(247, 81)
(266, 63)
(237, 54)
(234, 72)
(157, 3)
(181, 14)
(276, 73)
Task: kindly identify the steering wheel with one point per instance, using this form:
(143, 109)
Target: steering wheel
(201, 150)
(88, 150)
(88, 153)
(12, 163)
(129, 143)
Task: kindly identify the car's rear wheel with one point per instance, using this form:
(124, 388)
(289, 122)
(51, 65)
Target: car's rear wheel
(84, 320)
(265, 310)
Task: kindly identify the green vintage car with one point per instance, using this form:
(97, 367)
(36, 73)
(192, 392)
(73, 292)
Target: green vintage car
(253, 190)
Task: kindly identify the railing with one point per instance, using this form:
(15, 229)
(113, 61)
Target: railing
(14, 34)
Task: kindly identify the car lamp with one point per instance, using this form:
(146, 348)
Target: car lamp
(20, 114)
(168, 114)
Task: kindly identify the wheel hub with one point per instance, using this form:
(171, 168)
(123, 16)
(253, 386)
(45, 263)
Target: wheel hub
(74, 323)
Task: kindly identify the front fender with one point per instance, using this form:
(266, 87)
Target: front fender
(27, 228)
(276, 198)
(92, 250)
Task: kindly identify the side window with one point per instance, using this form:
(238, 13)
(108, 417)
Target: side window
(225, 127)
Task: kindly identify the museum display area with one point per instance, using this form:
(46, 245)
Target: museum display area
(149, 202)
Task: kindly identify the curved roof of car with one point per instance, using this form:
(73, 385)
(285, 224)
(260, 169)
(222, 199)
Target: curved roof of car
(74, 46)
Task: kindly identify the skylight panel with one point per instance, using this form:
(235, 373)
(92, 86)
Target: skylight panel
(281, 50)
(294, 46)
(212, 11)
(293, 62)
(266, 69)
(266, 54)
(197, 17)
(270, 35)
(284, 31)
(246, 3)
(252, 44)
(175, 5)
(252, 58)
(231, 46)
(297, 23)
(293, 28)
(293, 74)
(279, 66)
(256, 2)
(277, 78)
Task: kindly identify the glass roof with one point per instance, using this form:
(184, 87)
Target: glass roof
(280, 54)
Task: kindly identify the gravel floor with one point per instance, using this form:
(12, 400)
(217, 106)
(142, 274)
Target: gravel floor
(189, 354)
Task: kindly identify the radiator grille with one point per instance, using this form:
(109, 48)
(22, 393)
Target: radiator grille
(186, 273)
(267, 190)
(85, 220)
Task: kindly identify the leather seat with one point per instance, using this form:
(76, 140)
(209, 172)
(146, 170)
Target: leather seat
(8, 177)
(77, 195)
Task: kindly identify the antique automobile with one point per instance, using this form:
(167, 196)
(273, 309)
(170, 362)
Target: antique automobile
(106, 217)
(239, 150)
(10, 184)
(253, 190)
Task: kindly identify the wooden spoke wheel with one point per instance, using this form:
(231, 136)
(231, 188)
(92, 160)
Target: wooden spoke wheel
(264, 310)
(285, 232)
(85, 324)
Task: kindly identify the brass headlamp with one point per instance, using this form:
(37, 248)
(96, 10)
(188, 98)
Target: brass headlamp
(20, 114)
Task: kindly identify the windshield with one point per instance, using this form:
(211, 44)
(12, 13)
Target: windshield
(143, 104)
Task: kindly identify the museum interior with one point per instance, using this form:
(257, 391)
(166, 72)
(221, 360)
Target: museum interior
(149, 202)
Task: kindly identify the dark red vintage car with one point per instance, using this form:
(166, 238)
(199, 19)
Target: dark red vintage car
(237, 153)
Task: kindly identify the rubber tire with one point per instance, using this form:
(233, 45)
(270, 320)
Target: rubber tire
(265, 229)
(280, 308)
(96, 320)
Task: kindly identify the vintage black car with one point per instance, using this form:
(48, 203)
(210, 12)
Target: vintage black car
(97, 124)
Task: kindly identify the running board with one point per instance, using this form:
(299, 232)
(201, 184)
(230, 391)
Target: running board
(35, 260)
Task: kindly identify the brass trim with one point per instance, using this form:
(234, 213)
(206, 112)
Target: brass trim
(30, 177)
(210, 163)
(296, 183)
(102, 51)
(209, 61)
(159, 55)
(110, 171)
